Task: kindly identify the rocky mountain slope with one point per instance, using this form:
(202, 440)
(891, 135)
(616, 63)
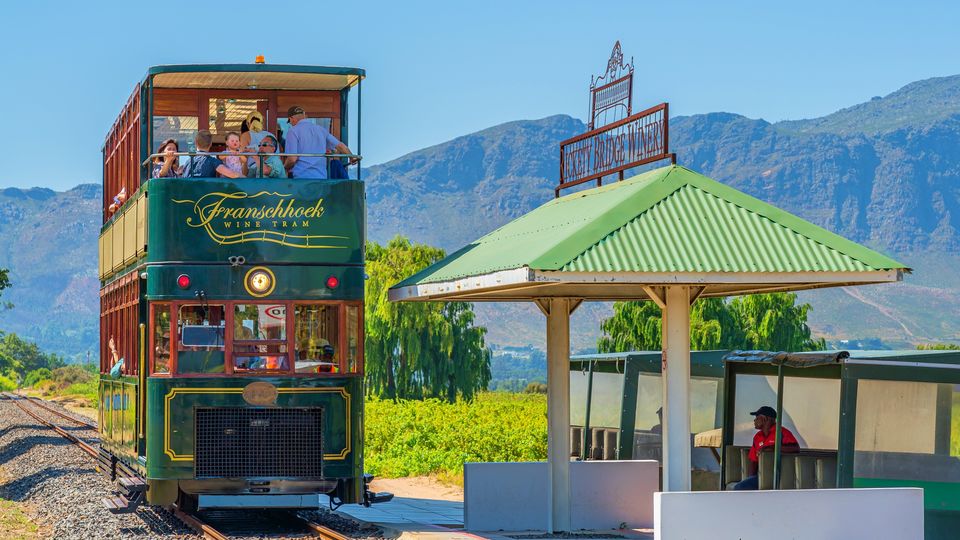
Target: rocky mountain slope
(885, 173)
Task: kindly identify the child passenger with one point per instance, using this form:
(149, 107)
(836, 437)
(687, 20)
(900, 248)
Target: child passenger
(233, 161)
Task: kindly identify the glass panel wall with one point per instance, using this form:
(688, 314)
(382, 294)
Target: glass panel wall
(810, 408)
(908, 434)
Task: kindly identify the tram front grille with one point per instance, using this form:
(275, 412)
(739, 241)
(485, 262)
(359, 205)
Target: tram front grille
(244, 443)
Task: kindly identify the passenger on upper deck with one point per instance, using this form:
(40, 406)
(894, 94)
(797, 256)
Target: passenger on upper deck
(231, 159)
(308, 138)
(250, 139)
(167, 166)
(272, 164)
(765, 420)
(206, 165)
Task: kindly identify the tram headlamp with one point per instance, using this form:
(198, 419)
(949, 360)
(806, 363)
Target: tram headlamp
(333, 282)
(259, 281)
(183, 281)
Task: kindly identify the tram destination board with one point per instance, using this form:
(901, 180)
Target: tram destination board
(633, 141)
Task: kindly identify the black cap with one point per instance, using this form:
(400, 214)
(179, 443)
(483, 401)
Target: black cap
(295, 110)
(765, 411)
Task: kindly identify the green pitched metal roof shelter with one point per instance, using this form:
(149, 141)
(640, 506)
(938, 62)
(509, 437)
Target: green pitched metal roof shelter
(666, 226)
(669, 235)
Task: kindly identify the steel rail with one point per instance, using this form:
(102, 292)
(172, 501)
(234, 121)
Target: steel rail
(83, 423)
(67, 435)
(197, 524)
(324, 532)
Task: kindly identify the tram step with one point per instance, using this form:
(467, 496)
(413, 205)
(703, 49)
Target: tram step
(132, 484)
(118, 505)
(379, 497)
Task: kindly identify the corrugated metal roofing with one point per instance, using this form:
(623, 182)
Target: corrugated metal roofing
(695, 231)
(666, 220)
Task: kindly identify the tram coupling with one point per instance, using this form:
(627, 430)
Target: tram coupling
(370, 497)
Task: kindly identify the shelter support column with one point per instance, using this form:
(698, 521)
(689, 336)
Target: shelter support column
(558, 311)
(676, 389)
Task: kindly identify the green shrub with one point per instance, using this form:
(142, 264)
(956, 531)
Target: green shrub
(65, 376)
(85, 390)
(37, 375)
(432, 437)
(7, 384)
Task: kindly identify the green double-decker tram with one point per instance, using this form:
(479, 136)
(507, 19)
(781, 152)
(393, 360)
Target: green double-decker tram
(231, 309)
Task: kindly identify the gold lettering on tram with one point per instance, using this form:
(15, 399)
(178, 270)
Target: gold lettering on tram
(234, 218)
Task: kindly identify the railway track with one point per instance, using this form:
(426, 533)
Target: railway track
(18, 401)
(221, 525)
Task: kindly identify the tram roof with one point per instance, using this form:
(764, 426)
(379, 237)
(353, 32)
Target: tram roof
(254, 77)
(666, 226)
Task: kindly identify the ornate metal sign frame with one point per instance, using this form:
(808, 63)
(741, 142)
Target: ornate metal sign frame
(613, 90)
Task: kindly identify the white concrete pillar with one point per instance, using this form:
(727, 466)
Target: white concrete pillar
(558, 413)
(676, 389)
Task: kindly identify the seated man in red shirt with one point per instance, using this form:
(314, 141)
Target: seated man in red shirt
(765, 420)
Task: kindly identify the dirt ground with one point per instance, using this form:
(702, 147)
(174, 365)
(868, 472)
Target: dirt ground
(418, 487)
(76, 406)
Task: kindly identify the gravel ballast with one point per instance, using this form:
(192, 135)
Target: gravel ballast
(60, 490)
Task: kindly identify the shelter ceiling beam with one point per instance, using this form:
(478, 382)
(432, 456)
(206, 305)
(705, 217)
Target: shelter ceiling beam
(657, 294)
(695, 293)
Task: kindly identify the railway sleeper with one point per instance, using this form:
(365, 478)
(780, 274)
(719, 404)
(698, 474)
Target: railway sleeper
(133, 490)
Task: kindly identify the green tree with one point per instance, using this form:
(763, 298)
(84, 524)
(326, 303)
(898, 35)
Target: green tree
(635, 326)
(761, 321)
(773, 322)
(418, 349)
(938, 347)
(25, 354)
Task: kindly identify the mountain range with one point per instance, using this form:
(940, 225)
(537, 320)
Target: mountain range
(885, 173)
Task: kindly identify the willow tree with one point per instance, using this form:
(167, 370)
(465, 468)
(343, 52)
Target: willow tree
(761, 321)
(418, 349)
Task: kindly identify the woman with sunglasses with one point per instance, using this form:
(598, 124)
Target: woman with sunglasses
(272, 165)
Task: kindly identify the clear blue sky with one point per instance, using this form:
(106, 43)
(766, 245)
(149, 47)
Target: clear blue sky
(437, 70)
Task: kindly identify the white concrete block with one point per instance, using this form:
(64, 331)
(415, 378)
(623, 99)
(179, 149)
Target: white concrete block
(813, 514)
(608, 493)
(505, 496)
(603, 495)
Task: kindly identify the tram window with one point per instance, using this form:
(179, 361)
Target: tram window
(161, 339)
(182, 129)
(259, 335)
(317, 338)
(200, 330)
(228, 115)
(353, 339)
(259, 322)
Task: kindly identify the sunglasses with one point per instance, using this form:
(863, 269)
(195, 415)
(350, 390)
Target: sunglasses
(268, 144)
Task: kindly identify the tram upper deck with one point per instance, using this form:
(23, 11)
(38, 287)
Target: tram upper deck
(256, 220)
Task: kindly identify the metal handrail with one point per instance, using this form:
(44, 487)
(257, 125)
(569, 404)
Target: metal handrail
(151, 157)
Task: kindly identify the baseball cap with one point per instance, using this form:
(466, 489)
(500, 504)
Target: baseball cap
(295, 110)
(765, 411)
